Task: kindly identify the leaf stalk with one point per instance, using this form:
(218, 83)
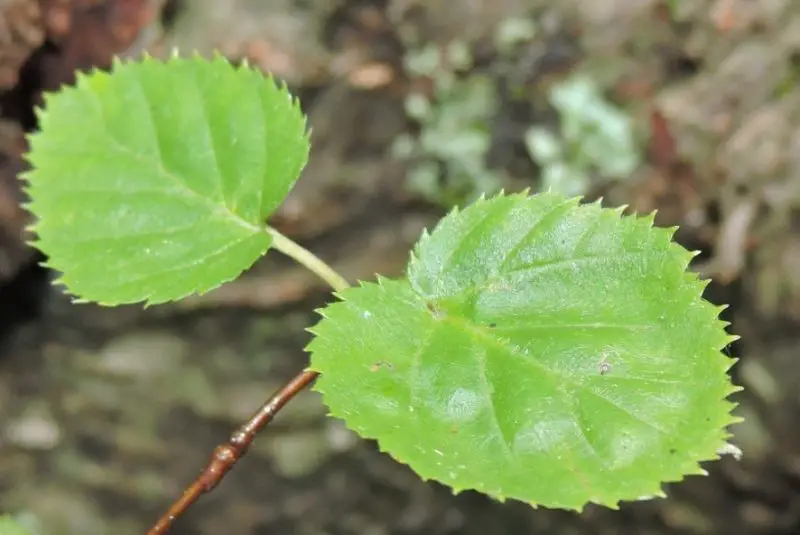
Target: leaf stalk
(307, 259)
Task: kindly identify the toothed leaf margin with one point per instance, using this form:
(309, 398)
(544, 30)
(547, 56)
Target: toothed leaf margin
(541, 350)
(153, 181)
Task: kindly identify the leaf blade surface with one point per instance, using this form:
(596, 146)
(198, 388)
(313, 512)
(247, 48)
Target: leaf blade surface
(153, 181)
(540, 350)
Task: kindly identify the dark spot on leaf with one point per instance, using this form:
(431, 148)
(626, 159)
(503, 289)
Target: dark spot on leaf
(492, 325)
(435, 310)
(379, 365)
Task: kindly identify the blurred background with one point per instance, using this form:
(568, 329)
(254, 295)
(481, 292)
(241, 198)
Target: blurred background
(690, 107)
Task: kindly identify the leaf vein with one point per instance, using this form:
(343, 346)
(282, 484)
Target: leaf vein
(181, 266)
(560, 263)
(132, 235)
(267, 155)
(552, 326)
(581, 424)
(82, 188)
(211, 143)
(488, 391)
(537, 226)
(413, 393)
(535, 267)
(189, 192)
(620, 408)
(477, 226)
(566, 380)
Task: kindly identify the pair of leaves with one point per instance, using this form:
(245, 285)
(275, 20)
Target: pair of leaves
(538, 349)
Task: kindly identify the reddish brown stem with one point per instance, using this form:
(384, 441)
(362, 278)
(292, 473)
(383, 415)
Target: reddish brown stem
(226, 455)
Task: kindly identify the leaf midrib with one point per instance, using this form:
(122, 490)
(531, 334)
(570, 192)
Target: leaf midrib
(158, 167)
(214, 207)
(473, 330)
(534, 268)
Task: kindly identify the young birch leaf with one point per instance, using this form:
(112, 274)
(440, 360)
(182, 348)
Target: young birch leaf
(540, 350)
(153, 181)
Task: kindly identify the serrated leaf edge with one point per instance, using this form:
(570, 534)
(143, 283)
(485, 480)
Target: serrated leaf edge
(692, 467)
(82, 78)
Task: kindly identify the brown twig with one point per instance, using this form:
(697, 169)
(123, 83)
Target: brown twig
(225, 455)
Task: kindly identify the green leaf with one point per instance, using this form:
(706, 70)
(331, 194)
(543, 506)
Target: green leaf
(540, 350)
(9, 526)
(153, 181)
